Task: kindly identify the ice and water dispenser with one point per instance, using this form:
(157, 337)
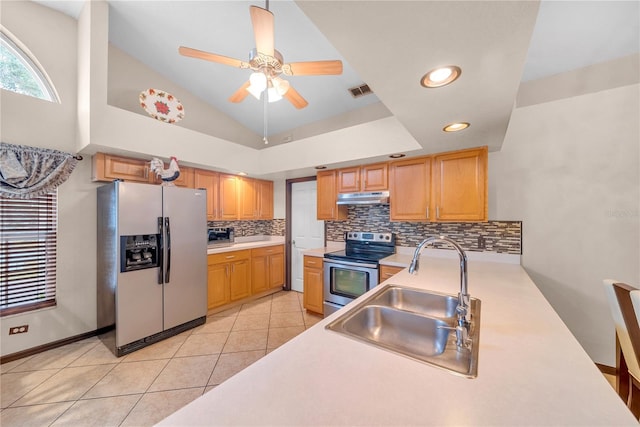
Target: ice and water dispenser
(139, 252)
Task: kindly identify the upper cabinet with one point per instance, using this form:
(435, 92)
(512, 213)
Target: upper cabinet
(255, 198)
(228, 193)
(460, 185)
(327, 194)
(108, 168)
(210, 181)
(186, 178)
(410, 189)
(229, 197)
(363, 178)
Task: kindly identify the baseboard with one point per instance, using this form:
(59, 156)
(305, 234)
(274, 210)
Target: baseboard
(609, 370)
(44, 347)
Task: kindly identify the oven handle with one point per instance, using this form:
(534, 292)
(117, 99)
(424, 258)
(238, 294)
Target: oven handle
(328, 262)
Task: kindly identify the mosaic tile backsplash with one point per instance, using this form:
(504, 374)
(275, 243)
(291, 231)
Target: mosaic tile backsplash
(271, 227)
(492, 236)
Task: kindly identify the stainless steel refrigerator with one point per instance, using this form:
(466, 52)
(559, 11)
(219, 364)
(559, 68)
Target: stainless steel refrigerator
(152, 263)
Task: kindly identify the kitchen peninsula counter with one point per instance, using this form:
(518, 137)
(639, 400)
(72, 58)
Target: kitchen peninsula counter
(531, 370)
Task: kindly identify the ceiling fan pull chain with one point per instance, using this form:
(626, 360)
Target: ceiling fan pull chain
(265, 98)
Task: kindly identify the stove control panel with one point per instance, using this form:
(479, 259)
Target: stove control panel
(362, 236)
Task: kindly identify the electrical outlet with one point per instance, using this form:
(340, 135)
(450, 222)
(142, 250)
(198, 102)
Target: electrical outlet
(481, 243)
(22, 329)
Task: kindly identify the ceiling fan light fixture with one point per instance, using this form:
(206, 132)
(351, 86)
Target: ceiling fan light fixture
(273, 95)
(455, 127)
(441, 76)
(258, 84)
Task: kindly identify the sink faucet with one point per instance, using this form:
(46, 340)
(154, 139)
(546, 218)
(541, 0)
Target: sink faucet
(463, 308)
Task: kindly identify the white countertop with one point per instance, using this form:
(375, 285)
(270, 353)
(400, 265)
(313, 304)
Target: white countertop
(251, 244)
(531, 371)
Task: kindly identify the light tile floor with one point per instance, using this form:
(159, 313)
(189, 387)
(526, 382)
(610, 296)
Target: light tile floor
(84, 384)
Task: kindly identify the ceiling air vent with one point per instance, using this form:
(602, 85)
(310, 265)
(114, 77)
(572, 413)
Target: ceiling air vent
(359, 91)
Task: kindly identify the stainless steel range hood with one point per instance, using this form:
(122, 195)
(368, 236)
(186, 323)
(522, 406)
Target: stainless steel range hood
(369, 198)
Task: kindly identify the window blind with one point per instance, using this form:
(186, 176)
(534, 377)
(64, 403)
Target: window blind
(28, 229)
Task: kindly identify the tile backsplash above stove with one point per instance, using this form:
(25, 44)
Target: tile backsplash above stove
(491, 236)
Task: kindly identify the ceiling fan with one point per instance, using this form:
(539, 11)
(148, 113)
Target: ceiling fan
(268, 64)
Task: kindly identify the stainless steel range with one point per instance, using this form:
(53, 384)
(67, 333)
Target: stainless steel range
(353, 271)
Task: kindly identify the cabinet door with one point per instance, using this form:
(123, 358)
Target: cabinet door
(313, 298)
(409, 189)
(375, 177)
(460, 185)
(265, 199)
(387, 271)
(327, 208)
(349, 180)
(108, 168)
(186, 178)
(210, 181)
(276, 270)
(259, 274)
(218, 285)
(247, 199)
(240, 280)
(228, 197)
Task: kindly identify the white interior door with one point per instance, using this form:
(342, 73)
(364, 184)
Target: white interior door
(306, 231)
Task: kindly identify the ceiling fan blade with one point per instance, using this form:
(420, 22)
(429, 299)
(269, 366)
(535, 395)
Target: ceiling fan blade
(207, 56)
(312, 68)
(295, 98)
(240, 94)
(262, 21)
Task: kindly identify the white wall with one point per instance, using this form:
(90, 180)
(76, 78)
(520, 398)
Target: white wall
(569, 169)
(51, 37)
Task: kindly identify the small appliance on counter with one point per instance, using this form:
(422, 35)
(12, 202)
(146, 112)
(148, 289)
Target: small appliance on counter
(221, 236)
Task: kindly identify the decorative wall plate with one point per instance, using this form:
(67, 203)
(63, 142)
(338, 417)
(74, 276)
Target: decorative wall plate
(161, 105)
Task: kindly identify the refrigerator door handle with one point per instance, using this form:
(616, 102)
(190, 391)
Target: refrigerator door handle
(160, 251)
(168, 230)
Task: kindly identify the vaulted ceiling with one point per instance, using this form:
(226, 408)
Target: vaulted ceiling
(388, 45)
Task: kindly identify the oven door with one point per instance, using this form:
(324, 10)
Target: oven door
(345, 281)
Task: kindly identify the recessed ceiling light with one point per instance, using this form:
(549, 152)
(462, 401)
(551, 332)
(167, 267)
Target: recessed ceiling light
(455, 127)
(397, 156)
(321, 167)
(441, 76)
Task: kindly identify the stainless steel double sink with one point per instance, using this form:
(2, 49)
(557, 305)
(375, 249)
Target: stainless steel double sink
(415, 323)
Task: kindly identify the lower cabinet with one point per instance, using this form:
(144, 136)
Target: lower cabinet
(387, 271)
(267, 268)
(313, 284)
(229, 277)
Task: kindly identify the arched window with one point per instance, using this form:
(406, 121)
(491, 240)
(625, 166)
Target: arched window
(19, 72)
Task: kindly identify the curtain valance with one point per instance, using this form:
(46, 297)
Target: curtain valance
(28, 172)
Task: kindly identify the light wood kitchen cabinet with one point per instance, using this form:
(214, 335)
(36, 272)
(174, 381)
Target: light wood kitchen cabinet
(264, 190)
(247, 198)
(460, 185)
(267, 268)
(229, 277)
(410, 189)
(228, 192)
(387, 271)
(313, 299)
(210, 181)
(107, 167)
(374, 177)
(255, 198)
(327, 208)
(186, 178)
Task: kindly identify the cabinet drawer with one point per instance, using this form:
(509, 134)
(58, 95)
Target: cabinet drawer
(229, 256)
(313, 261)
(268, 250)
